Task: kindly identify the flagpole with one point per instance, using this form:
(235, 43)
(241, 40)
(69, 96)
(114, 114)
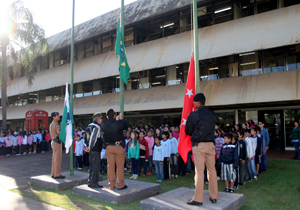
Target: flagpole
(121, 81)
(71, 91)
(196, 47)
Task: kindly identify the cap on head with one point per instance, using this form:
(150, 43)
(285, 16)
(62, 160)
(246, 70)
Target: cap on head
(15, 133)
(97, 114)
(53, 114)
(200, 97)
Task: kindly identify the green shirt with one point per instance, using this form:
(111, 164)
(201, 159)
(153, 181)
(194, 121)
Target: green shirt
(134, 152)
(296, 133)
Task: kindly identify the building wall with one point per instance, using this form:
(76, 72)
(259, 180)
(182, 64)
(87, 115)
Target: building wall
(272, 87)
(267, 30)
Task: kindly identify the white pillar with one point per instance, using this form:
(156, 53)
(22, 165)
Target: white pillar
(236, 114)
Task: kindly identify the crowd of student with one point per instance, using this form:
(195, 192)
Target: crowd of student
(240, 152)
(21, 142)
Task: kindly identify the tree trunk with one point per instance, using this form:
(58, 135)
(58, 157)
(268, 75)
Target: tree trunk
(3, 84)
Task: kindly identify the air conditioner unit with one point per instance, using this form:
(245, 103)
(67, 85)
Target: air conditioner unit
(60, 62)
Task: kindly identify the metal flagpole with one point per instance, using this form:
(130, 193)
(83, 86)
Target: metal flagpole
(71, 91)
(121, 81)
(196, 47)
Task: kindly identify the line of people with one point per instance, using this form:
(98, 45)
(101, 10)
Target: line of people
(19, 142)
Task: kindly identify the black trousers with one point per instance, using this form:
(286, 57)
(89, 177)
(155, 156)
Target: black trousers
(174, 164)
(166, 169)
(94, 169)
(181, 166)
(79, 161)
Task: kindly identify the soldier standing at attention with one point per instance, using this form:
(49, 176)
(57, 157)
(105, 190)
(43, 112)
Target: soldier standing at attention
(56, 147)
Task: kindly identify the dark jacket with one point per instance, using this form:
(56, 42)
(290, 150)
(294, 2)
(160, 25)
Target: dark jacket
(296, 133)
(93, 141)
(258, 147)
(201, 125)
(229, 155)
(242, 150)
(113, 131)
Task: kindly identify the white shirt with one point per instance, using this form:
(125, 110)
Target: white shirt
(174, 145)
(103, 154)
(158, 153)
(249, 147)
(254, 144)
(167, 147)
(24, 140)
(79, 147)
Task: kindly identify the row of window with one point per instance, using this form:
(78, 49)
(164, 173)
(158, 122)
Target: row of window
(251, 63)
(209, 13)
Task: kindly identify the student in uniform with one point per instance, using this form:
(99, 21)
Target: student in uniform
(174, 155)
(242, 158)
(158, 160)
(167, 154)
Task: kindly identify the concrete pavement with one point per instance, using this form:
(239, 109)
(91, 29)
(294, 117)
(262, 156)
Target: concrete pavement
(16, 171)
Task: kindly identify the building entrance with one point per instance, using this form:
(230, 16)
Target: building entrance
(275, 125)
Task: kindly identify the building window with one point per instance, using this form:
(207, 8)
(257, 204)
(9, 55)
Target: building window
(274, 60)
(106, 43)
(87, 88)
(173, 76)
(266, 5)
(158, 77)
(288, 3)
(129, 37)
(97, 87)
(293, 57)
(89, 49)
(223, 11)
(209, 70)
(80, 52)
(250, 63)
(243, 9)
(78, 90)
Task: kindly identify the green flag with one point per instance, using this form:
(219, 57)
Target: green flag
(66, 130)
(120, 50)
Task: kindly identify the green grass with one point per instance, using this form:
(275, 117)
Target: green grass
(278, 188)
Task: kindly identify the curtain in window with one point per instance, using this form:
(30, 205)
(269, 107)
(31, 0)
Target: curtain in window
(171, 78)
(144, 83)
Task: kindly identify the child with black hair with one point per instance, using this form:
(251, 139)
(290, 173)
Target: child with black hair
(167, 154)
(219, 141)
(2, 145)
(8, 145)
(133, 154)
(79, 151)
(228, 161)
(144, 152)
(235, 138)
(250, 154)
(158, 160)
(174, 155)
(242, 158)
(258, 151)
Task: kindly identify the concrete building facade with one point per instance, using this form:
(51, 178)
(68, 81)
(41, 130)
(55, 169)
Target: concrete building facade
(249, 65)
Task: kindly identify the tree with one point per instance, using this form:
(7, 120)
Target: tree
(22, 40)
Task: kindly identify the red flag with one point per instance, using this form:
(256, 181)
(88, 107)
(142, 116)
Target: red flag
(185, 144)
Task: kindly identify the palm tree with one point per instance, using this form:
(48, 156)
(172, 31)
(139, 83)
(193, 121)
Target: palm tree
(23, 40)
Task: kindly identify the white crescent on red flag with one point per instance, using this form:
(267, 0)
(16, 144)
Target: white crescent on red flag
(185, 144)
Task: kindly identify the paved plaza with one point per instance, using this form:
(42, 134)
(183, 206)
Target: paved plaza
(16, 171)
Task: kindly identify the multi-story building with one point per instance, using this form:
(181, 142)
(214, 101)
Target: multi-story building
(249, 65)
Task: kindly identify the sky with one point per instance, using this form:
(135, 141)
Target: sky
(56, 15)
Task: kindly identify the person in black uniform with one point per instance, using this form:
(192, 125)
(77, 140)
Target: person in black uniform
(115, 148)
